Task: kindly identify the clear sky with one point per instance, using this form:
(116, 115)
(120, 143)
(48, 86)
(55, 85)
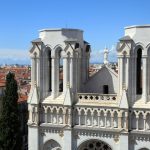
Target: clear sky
(103, 22)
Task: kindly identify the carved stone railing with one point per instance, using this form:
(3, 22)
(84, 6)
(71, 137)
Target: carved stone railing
(97, 97)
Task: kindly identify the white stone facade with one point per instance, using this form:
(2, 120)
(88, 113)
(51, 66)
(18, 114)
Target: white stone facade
(68, 110)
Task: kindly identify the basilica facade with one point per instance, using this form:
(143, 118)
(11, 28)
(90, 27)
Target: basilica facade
(70, 110)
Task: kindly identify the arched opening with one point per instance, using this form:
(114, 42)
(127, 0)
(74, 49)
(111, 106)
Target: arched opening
(89, 118)
(76, 45)
(47, 71)
(102, 119)
(42, 115)
(60, 72)
(115, 119)
(52, 145)
(95, 118)
(139, 72)
(60, 118)
(54, 116)
(123, 120)
(108, 121)
(94, 145)
(50, 70)
(133, 121)
(82, 117)
(49, 119)
(148, 121)
(77, 119)
(141, 122)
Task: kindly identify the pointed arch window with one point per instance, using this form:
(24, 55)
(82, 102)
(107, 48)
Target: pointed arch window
(139, 72)
(60, 72)
(50, 70)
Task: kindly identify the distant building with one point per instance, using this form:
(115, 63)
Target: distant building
(109, 110)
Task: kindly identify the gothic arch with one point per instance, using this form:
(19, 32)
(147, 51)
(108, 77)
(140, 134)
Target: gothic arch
(47, 69)
(139, 53)
(52, 145)
(94, 144)
(139, 45)
(143, 149)
(56, 50)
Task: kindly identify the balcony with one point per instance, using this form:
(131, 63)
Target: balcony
(97, 98)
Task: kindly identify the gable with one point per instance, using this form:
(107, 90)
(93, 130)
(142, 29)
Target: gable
(105, 76)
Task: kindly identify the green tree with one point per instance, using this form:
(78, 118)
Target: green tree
(10, 135)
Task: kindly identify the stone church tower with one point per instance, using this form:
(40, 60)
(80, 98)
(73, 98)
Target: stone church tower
(70, 110)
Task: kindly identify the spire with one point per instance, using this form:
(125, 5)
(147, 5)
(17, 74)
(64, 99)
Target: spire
(124, 100)
(68, 99)
(34, 97)
(106, 52)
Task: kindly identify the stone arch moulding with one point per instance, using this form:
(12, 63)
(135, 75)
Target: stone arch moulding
(91, 144)
(144, 148)
(56, 50)
(141, 46)
(52, 145)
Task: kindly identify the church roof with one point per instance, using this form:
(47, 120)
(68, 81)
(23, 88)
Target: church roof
(38, 40)
(125, 38)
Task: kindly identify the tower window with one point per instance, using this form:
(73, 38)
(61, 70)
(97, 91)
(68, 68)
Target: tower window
(105, 89)
(139, 72)
(50, 71)
(60, 73)
(87, 48)
(76, 45)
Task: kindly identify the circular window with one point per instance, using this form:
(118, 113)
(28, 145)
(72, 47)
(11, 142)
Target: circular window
(94, 145)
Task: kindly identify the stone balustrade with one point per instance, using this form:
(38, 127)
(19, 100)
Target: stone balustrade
(97, 97)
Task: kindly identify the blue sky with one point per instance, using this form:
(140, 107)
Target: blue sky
(103, 22)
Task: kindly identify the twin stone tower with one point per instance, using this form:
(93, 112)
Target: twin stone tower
(70, 110)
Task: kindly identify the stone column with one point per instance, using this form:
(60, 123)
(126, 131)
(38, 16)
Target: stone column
(65, 74)
(45, 112)
(119, 120)
(98, 119)
(126, 120)
(79, 114)
(33, 71)
(51, 116)
(64, 116)
(92, 118)
(38, 71)
(120, 64)
(78, 73)
(57, 119)
(144, 122)
(105, 115)
(133, 70)
(144, 78)
(72, 73)
(137, 122)
(127, 72)
(112, 120)
(54, 79)
(69, 117)
(85, 118)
